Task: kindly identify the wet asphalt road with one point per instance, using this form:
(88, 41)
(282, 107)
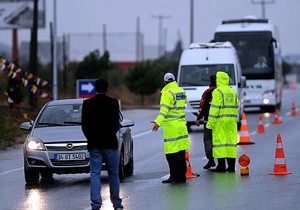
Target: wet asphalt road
(144, 189)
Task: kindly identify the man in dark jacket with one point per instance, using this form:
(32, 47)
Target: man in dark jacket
(204, 111)
(100, 123)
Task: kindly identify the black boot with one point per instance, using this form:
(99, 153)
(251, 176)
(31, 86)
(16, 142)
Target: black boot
(231, 164)
(210, 163)
(221, 166)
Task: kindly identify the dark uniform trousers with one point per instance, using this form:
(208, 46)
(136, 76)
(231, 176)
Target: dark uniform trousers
(177, 165)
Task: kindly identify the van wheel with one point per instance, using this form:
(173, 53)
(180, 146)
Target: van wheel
(269, 108)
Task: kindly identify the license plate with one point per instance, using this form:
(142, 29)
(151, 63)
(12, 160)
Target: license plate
(69, 156)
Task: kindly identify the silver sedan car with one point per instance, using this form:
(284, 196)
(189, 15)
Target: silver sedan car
(57, 145)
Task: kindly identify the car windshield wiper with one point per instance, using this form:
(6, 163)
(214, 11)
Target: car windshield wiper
(66, 123)
(72, 123)
(50, 124)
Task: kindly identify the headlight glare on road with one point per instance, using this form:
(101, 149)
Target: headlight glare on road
(35, 144)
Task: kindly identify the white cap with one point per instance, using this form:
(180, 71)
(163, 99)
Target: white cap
(169, 77)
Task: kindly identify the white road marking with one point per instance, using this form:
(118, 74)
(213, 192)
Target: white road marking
(141, 134)
(11, 171)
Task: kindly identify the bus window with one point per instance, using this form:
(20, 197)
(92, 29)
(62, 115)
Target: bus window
(249, 46)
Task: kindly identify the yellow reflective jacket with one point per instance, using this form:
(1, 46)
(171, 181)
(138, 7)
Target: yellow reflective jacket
(172, 118)
(222, 118)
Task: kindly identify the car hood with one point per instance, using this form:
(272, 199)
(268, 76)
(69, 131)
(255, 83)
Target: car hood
(59, 134)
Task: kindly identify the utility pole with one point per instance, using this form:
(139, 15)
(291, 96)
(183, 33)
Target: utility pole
(160, 32)
(15, 48)
(138, 40)
(104, 36)
(65, 62)
(34, 50)
(263, 5)
(192, 22)
(54, 35)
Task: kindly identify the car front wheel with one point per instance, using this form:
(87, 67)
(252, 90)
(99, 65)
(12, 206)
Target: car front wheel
(130, 165)
(121, 165)
(32, 176)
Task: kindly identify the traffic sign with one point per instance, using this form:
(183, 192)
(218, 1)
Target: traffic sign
(85, 88)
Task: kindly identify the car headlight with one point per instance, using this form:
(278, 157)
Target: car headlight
(35, 144)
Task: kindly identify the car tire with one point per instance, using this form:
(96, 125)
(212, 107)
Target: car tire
(129, 168)
(47, 176)
(32, 176)
(271, 109)
(121, 164)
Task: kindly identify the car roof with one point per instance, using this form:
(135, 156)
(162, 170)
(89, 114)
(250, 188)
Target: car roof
(66, 101)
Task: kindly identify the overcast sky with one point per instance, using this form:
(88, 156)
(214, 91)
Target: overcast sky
(80, 16)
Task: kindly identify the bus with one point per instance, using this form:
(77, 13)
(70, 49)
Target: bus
(257, 44)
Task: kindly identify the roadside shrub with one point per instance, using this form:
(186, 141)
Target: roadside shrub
(10, 121)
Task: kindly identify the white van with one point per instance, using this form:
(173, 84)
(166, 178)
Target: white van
(198, 63)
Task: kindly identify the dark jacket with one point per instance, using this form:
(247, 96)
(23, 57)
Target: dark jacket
(205, 103)
(100, 122)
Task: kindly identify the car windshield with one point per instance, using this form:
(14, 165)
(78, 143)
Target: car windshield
(60, 115)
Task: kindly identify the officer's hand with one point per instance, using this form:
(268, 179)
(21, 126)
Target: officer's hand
(155, 126)
(197, 122)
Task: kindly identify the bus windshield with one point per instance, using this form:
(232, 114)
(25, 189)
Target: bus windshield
(199, 75)
(255, 52)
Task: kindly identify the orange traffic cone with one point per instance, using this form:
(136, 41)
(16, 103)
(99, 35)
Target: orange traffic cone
(189, 170)
(244, 132)
(276, 118)
(260, 128)
(279, 166)
(293, 112)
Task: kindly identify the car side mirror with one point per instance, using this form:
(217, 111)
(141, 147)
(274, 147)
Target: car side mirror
(26, 126)
(243, 83)
(127, 123)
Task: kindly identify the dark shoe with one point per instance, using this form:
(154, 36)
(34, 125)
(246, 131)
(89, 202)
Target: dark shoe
(180, 181)
(230, 169)
(211, 163)
(168, 181)
(218, 170)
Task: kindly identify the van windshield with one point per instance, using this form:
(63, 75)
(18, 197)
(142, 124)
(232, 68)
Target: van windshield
(198, 75)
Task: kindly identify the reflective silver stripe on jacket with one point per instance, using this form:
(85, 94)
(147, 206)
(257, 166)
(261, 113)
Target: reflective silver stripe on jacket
(222, 96)
(176, 138)
(224, 145)
(223, 115)
(178, 108)
(162, 115)
(216, 106)
(222, 107)
(175, 116)
(174, 98)
(166, 106)
(172, 108)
